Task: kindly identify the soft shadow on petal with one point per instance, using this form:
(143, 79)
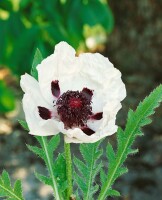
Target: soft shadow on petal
(31, 86)
(76, 135)
(72, 140)
(37, 125)
(104, 127)
(100, 70)
(31, 100)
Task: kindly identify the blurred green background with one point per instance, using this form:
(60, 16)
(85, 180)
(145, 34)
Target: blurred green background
(126, 31)
(26, 25)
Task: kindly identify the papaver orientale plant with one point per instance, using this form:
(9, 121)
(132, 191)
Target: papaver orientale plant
(78, 97)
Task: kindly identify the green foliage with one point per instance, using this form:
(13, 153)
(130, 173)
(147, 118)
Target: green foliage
(7, 99)
(6, 190)
(136, 120)
(44, 23)
(88, 169)
(37, 59)
(24, 124)
(56, 168)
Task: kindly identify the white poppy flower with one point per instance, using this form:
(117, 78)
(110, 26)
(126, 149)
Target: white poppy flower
(78, 96)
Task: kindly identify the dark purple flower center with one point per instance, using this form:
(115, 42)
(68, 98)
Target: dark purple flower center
(74, 108)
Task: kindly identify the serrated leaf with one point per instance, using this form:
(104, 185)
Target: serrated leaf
(103, 176)
(36, 150)
(130, 113)
(59, 169)
(80, 182)
(97, 170)
(24, 124)
(120, 135)
(55, 168)
(113, 193)
(110, 153)
(123, 170)
(39, 139)
(133, 151)
(88, 169)
(94, 189)
(80, 165)
(53, 143)
(18, 188)
(7, 191)
(136, 120)
(6, 178)
(37, 60)
(44, 179)
(85, 152)
(77, 195)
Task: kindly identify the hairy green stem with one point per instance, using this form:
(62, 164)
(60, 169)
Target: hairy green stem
(49, 165)
(68, 169)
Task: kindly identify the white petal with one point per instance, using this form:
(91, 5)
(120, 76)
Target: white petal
(93, 71)
(106, 79)
(71, 140)
(31, 86)
(104, 127)
(56, 67)
(36, 124)
(78, 136)
(31, 100)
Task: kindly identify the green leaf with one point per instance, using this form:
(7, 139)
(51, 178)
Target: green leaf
(18, 188)
(87, 170)
(37, 60)
(135, 121)
(7, 99)
(24, 124)
(56, 168)
(80, 182)
(59, 169)
(38, 151)
(113, 193)
(110, 153)
(6, 178)
(103, 176)
(44, 179)
(7, 191)
(53, 143)
(133, 151)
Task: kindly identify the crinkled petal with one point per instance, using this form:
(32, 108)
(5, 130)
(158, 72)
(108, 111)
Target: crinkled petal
(58, 66)
(37, 125)
(92, 71)
(104, 127)
(76, 135)
(31, 100)
(30, 85)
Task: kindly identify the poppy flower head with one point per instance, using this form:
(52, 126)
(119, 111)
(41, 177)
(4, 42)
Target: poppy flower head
(76, 95)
